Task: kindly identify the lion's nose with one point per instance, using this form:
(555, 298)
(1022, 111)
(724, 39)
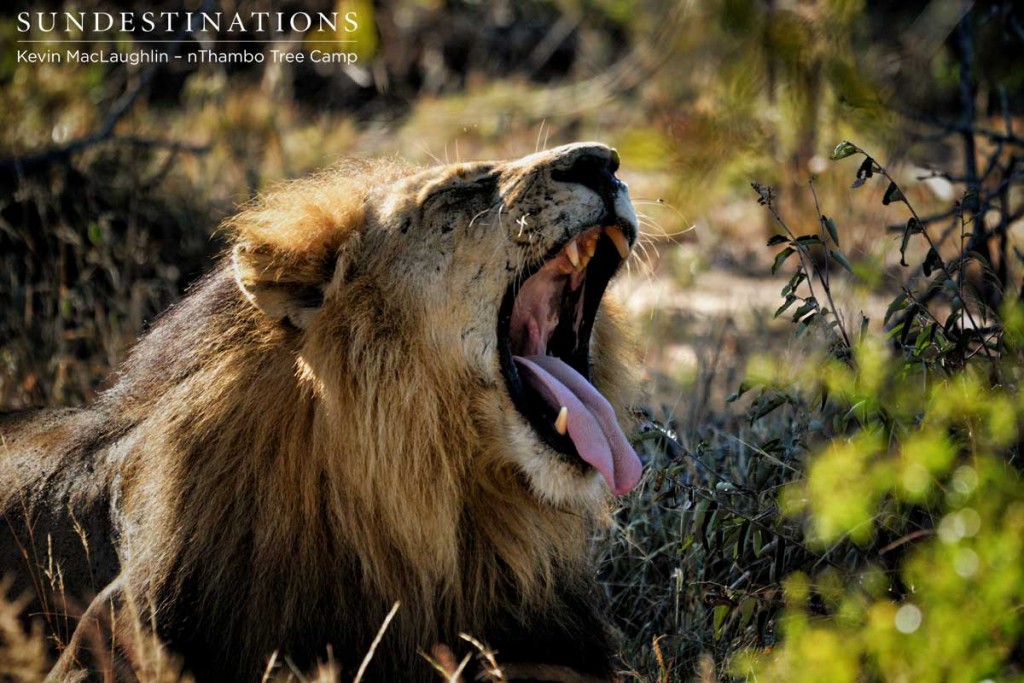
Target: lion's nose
(592, 166)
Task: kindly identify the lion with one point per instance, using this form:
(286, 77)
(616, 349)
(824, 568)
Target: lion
(399, 385)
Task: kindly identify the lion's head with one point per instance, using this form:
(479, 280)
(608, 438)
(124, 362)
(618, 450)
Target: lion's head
(491, 274)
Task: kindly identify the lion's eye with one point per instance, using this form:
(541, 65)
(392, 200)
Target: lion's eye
(461, 196)
(482, 185)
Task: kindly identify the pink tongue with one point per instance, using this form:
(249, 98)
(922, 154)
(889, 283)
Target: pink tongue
(592, 424)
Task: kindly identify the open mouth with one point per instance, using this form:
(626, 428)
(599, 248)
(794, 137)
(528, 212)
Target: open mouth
(544, 330)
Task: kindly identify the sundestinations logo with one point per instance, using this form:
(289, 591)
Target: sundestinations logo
(59, 37)
(190, 22)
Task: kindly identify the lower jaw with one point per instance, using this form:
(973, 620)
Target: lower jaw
(554, 478)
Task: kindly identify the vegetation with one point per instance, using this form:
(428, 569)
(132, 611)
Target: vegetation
(833, 491)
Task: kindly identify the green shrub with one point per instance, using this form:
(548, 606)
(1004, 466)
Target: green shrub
(866, 520)
(920, 470)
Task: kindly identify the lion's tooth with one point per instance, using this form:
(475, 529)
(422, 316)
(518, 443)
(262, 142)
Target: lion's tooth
(562, 421)
(619, 240)
(590, 247)
(573, 252)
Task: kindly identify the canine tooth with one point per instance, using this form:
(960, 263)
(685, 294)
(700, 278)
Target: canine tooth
(590, 247)
(620, 241)
(573, 252)
(562, 421)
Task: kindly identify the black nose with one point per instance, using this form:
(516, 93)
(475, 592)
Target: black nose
(592, 167)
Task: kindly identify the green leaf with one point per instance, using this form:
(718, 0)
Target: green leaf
(892, 194)
(790, 300)
(95, 233)
(778, 566)
(841, 260)
(810, 304)
(844, 149)
(700, 515)
(950, 327)
(896, 330)
(794, 282)
(720, 613)
(747, 611)
(781, 257)
(766, 406)
(744, 388)
(866, 170)
(858, 411)
(913, 226)
(777, 239)
(897, 304)
(908, 322)
(706, 523)
(808, 239)
(830, 226)
(932, 262)
(742, 538)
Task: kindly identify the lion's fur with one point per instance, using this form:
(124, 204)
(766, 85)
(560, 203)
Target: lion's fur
(301, 442)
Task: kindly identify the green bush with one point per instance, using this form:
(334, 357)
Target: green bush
(866, 522)
(922, 469)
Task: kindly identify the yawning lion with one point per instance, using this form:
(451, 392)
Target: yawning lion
(398, 385)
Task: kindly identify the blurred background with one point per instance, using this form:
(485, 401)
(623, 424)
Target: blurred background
(114, 178)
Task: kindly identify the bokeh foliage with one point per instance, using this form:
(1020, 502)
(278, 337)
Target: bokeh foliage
(931, 465)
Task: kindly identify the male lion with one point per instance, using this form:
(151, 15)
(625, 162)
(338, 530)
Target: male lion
(398, 385)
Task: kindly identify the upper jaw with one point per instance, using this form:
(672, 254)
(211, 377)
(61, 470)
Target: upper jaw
(574, 254)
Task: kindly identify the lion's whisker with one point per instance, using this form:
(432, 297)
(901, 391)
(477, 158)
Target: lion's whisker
(642, 244)
(426, 150)
(643, 201)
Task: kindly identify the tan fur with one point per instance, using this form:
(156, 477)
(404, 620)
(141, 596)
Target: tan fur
(324, 420)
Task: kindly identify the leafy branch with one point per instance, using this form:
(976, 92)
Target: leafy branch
(933, 260)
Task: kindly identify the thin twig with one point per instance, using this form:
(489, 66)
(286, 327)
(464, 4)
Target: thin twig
(826, 283)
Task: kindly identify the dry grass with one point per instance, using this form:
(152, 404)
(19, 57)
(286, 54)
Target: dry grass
(24, 655)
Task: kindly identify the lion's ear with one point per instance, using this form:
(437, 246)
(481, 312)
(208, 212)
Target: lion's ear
(289, 244)
(290, 290)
